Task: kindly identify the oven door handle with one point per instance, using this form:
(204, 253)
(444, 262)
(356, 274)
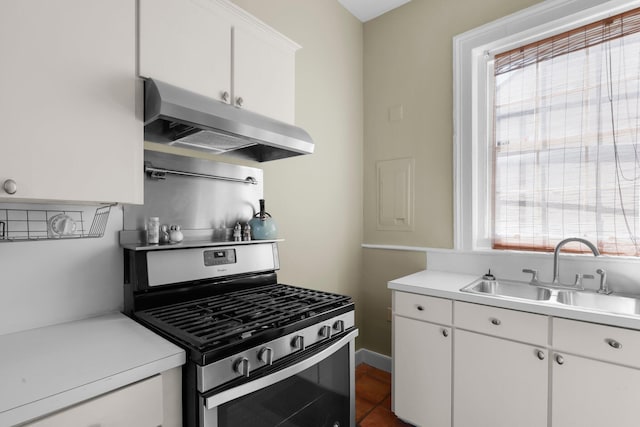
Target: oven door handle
(260, 383)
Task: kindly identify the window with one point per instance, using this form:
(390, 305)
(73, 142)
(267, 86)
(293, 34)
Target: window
(566, 149)
(547, 122)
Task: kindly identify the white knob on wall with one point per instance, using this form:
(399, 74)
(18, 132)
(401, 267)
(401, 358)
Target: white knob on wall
(10, 186)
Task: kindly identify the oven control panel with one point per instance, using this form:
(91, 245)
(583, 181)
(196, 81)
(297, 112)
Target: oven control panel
(219, 257)
(166, 267)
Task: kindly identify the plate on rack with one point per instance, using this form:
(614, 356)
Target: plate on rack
(62, 225)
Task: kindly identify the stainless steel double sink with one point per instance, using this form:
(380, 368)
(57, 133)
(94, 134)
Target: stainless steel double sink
(575, 298)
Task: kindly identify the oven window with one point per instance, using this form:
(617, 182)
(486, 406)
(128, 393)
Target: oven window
(316, 397)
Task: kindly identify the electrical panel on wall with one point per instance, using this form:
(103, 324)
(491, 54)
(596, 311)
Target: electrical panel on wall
(395, 194)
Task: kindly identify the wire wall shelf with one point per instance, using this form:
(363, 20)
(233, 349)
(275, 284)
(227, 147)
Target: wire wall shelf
(18, 225)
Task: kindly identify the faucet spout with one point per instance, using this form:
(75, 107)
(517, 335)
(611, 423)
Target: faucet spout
(556, 252)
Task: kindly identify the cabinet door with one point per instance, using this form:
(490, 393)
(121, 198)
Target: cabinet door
(590, 393)
(264, 73)
(186, 43)
(68, 101)
(498, 382)
(421, 372)
(139, 404)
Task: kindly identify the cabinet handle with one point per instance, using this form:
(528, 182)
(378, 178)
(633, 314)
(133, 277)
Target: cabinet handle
(495, 321)
(445, 333)
(613, 343)
(559, 359)
(10, 186)
(540, 354)
(420, 308)
(239, 101)
(225, 96)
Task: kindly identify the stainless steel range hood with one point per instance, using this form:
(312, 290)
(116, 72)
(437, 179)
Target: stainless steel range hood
(186, 119)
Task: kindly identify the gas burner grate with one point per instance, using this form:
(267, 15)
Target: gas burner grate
(230, 317)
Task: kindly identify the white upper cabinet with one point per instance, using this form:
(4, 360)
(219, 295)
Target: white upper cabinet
(68, 102)
(264, 72)
(213, 48)
(186, 44)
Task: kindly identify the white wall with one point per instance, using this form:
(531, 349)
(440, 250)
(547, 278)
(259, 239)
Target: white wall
(317, 199)
(53, 281)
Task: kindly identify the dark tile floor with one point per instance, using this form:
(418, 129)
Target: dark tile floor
(373, 398)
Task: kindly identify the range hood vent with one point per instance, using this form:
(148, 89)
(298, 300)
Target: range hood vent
(181, 118)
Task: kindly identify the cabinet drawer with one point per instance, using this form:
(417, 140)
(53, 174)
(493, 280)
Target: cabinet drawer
(141, 401)
(608, 343)
(422, 307)
(515, 325)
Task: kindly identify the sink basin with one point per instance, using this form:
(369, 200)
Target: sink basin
(593, 301)
(501, 288)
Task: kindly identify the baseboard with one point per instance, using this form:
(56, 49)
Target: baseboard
(374, 359)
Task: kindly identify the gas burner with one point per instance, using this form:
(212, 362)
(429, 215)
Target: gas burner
(213, 323)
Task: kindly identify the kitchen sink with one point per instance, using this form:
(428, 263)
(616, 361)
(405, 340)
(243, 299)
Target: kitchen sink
(508, 289)
(600, 302)
(555, 295)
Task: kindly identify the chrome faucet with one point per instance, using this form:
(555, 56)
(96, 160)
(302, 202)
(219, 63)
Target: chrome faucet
(604, 286)
(556, 264)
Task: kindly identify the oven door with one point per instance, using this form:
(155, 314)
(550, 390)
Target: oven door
(317, 390)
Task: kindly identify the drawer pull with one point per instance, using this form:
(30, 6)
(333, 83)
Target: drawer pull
(495, 321)
(445, 333)
(613, 343)
(540, 354)
(559, 359)
(420, 308)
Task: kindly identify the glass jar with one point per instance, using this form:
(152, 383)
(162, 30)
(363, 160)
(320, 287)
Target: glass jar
(153, 230)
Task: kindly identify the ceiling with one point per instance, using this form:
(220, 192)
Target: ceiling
(366, 10)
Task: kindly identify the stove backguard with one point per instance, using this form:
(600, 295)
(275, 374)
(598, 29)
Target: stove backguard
(194, 200)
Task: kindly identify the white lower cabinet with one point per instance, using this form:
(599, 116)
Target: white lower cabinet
(422, 373)
(421, 377)
(592, 393)
(595, 375)
(498, 382)
(502, 369)
(139, 404)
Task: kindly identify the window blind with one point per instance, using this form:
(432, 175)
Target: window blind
(566, 159)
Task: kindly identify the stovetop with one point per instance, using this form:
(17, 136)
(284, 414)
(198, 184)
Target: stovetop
(218, 325)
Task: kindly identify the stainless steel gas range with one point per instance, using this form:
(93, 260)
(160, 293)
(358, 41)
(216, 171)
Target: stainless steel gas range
(260, 353)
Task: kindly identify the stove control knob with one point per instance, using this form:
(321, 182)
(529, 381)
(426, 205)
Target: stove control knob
(242, 367)
(338, 326)
(265, 355)
(297, 343)
(325, 332)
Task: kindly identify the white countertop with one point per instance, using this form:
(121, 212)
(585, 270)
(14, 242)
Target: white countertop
(447, 285)
(46, 369)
